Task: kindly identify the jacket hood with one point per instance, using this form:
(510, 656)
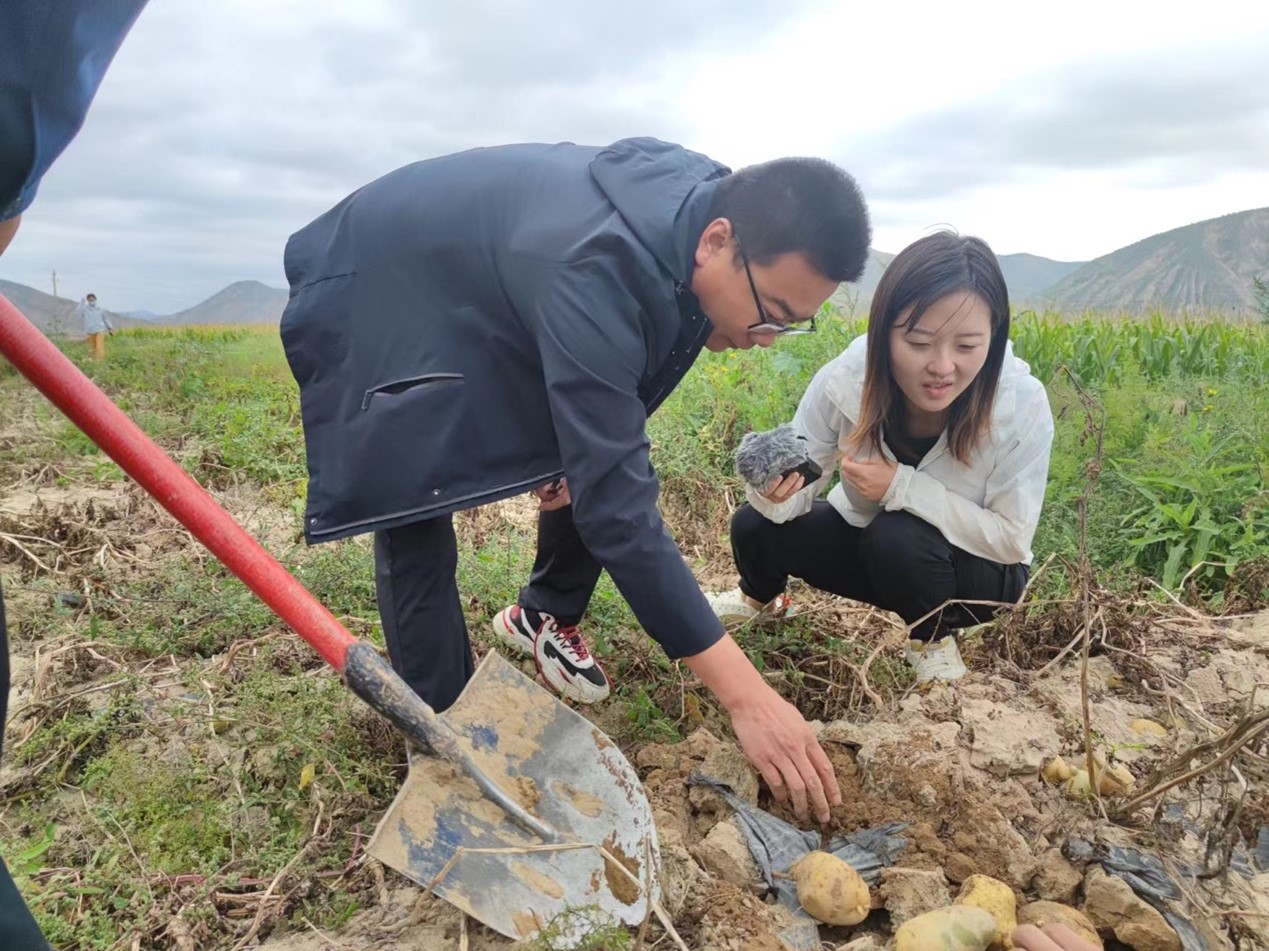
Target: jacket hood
(651, 182)
(849, 389)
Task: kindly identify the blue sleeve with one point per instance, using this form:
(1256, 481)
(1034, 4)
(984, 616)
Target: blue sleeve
(53, 55)
(593, 357)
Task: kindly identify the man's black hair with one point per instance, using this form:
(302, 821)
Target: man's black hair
(798, 205)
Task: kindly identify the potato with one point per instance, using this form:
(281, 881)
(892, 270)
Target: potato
(1055, 770)
(1111, 781)
(1078, 786)
(957, 928)
(995, 898)
(1148, 728)
(830, 890)
(1123, 779)
(1041, 913)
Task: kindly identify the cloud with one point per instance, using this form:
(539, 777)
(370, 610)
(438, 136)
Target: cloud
(1181, 115)
(222, 128)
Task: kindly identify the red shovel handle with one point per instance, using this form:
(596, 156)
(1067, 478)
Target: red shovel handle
(367, 674)
(137, 454)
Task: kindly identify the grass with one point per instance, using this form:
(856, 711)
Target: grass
(184, 748)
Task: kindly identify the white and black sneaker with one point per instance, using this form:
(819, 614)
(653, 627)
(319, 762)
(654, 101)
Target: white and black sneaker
(561, 655)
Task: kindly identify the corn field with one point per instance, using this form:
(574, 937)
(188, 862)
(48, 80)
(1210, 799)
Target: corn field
(1099, 351)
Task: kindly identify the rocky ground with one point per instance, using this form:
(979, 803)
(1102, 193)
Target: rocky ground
(1177, 698)
(962, 765)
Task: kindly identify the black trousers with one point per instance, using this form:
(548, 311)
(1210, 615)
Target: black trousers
(898, 562)
(17, 926)
(422, 614)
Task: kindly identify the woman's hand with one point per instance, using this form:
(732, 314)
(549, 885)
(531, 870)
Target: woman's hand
(1052, 938)
(781, 490)
(870, 478)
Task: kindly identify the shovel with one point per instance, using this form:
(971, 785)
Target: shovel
(522, 810)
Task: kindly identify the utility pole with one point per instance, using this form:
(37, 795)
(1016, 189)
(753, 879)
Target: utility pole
(54, 283)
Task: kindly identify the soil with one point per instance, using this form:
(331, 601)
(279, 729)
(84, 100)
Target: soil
(958, 764)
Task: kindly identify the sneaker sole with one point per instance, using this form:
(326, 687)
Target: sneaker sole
(509, 634)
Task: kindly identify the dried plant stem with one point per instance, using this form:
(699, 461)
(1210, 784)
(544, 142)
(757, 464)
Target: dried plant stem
(1242, 734)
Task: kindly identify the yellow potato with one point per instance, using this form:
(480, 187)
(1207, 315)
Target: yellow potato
(1055, 770)
(1078, 786)
(830, 890)
(1041, 913)
(1122, 777)
(995, 898)
(1148, 728)
(957, 928)
(1111, 781)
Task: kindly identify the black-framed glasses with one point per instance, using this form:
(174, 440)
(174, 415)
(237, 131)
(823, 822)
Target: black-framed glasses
(766, 323)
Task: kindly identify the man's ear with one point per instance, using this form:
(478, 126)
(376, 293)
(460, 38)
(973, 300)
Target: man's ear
(714, 239)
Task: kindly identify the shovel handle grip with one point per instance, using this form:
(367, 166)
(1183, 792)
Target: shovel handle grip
(67, 388)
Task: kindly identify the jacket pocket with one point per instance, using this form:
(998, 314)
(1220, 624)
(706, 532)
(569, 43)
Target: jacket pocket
(398, 387)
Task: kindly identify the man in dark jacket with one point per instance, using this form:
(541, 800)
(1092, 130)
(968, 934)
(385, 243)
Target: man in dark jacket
(52, 59)
(476, 326)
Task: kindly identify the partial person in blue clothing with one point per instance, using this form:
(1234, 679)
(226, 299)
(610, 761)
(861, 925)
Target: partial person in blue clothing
(479, 325)
(96, 321)
(53, 55)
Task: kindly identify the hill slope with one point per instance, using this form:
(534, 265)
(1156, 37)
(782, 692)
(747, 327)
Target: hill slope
(243, 302)
(1207, 266)
(55, 315)
(1028, 276)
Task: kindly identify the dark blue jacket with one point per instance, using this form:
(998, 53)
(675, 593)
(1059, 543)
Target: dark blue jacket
(469, 327)
(53, 56)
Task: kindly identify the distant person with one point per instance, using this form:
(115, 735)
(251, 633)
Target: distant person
(53, 56)
(475, 326)
(942, 437)
(96, 325)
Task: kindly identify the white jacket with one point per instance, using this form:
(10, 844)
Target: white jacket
(988, 508)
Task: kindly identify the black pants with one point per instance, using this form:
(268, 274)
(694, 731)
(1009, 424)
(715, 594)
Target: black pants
(415, 568)
(898, 562)
(18, 929)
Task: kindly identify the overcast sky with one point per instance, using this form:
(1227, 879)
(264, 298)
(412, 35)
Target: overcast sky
(1063, 129)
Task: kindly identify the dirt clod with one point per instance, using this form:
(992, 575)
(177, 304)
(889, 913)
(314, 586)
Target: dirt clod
(1113, 907)
(908, 892)
(1056, 879)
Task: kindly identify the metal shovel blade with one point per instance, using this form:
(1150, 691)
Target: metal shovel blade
(441, 832)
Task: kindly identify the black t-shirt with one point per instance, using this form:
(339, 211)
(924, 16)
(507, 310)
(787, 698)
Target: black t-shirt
(910, 450)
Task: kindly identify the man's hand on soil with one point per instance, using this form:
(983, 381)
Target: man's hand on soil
(781, 744)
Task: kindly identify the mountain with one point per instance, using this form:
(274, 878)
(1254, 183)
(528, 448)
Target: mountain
(243, 302)
(855, 298)
(54, 315)
(1028, 276)
(141, 314)
(1203, 267)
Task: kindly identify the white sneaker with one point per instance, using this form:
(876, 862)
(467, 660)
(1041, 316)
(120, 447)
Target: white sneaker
(732, 607)
(935, 660)
(563, 659)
